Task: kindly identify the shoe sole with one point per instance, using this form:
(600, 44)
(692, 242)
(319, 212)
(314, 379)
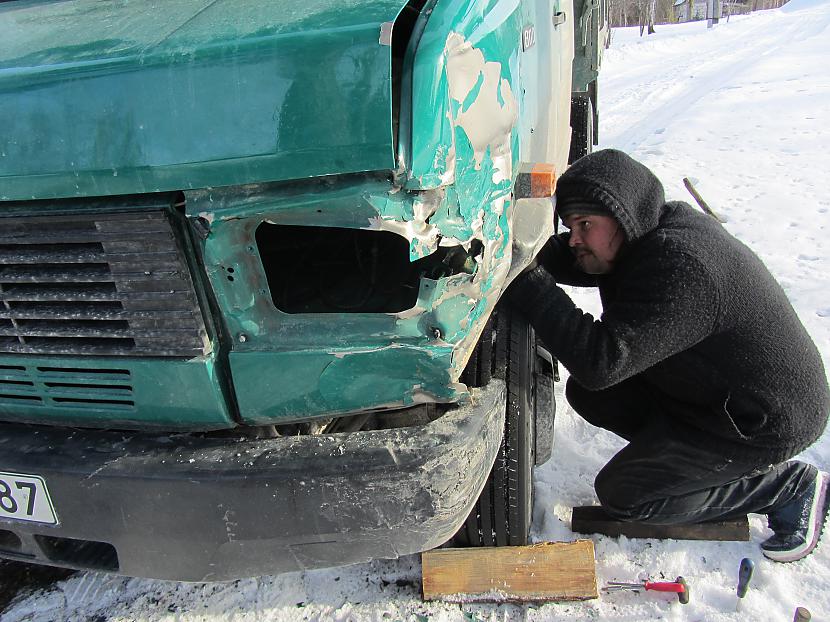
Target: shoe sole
(818, 511)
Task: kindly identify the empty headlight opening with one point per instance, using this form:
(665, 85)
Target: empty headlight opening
(339, 270)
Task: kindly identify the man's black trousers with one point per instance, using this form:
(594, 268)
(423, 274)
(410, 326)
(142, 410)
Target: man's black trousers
(659, 478)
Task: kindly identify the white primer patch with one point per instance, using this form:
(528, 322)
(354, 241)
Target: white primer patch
(423, 236)
(487, 122)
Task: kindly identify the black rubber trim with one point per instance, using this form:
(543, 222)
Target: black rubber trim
(582, 126)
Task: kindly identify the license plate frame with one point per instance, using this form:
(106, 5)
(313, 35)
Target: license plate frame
(25, 497)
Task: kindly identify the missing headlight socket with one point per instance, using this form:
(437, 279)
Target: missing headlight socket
(339, 270)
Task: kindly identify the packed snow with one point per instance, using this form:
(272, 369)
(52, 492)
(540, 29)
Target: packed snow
(743, 109)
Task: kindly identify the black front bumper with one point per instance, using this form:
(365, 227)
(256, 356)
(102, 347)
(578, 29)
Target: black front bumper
(196, 509)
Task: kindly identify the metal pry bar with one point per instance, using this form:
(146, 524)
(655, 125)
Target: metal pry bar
(703, 204)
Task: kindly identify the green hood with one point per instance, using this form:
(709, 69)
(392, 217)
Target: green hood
(117, 96)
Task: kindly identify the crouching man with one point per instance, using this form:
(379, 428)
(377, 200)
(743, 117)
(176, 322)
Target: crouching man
(698, 359)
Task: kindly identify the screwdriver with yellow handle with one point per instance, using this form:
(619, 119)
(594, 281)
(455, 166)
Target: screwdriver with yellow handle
(678, 586)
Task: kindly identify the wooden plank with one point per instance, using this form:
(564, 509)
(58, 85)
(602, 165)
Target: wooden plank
(593, 519)
(550, 571)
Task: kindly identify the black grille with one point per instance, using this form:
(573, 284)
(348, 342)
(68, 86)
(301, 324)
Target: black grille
(112, 284)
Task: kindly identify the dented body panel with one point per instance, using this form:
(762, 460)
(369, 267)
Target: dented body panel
(455, 191)
(494, 97)
(348, 361)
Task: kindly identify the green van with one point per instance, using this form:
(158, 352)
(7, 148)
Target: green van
(251, 255)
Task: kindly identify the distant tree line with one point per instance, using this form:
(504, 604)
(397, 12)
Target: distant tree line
(647, 13)
(760, 5)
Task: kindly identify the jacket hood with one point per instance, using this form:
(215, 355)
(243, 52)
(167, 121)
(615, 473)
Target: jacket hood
(629, 191)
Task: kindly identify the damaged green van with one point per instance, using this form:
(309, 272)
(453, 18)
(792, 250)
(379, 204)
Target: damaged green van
(251, 255)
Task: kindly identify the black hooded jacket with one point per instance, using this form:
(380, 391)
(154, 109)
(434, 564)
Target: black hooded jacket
(690, 309)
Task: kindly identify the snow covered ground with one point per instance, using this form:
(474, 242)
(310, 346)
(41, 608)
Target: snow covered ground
(744, 110)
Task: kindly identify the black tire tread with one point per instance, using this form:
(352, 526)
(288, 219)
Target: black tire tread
(582, 121)
(500, 516)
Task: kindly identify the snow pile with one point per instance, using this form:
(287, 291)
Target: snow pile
(744, 110)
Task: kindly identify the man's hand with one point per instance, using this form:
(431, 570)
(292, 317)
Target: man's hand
(554, 252)
(534, 263)
(532, 279)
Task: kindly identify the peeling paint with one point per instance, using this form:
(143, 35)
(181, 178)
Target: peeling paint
(208, 216)
(489, 119)
(445, 157)
(458, 194)
(479, 163)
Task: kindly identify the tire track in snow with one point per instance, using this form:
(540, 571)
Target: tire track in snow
(759, 41)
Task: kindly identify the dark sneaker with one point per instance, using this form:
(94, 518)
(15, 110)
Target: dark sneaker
(798, 524)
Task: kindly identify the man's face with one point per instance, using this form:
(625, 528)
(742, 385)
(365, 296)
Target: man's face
(595, 240)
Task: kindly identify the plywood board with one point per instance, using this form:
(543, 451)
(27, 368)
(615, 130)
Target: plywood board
(549, 571)
(593, 519)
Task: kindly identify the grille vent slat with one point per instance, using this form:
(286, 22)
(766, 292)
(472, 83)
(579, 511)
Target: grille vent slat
(50, 273)
(54, 253)
(101, 311)
(93, 292)
(21, 256)
(67, 387)
(58, 237)
(92, 347)
(94, 329)
(97, 284)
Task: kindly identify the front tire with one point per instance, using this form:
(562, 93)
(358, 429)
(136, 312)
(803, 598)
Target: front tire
(502, 514)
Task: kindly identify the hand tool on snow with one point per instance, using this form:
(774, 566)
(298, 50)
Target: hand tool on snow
(678, 586)
(802, 615)
(703, 204)
(745, 571)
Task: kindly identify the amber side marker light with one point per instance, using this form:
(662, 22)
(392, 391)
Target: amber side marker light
(535, 181)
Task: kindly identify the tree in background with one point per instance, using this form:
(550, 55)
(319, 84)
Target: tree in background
(643, 13)
(664, 12)
(646, 10)
(647, 13)
(760, 5)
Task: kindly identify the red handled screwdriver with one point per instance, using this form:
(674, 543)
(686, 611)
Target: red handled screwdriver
(678, 586)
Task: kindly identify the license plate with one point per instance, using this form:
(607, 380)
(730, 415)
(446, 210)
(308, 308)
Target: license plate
(25, 497)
